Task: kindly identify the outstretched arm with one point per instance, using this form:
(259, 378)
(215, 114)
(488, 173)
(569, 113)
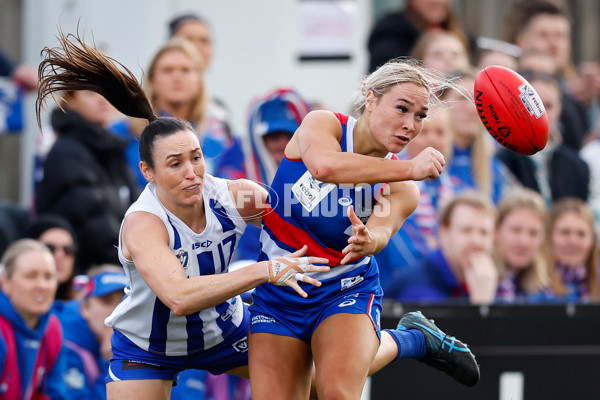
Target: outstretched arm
(146, 242)
(317, 143)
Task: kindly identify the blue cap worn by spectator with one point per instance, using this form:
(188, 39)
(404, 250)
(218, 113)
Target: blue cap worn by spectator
(276, 115)
(280, 110)
(105, 283)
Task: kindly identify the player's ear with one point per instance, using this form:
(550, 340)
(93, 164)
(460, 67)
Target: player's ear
(370, 101)
(147, 171)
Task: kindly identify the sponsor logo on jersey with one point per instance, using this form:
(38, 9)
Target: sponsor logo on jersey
(347, 283)
(204, 244)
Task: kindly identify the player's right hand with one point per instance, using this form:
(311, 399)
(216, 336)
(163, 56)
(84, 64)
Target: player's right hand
(429, 163)
(287, 271)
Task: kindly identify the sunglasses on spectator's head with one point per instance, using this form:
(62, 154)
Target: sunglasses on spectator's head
(68, 249)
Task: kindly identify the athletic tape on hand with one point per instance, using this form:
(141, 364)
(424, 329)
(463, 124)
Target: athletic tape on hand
(280, 270)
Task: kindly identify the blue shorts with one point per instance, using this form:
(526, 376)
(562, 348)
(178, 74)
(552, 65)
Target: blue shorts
(302, 324)
(129, 362)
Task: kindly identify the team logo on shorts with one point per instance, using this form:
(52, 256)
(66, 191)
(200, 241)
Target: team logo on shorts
(241, 346)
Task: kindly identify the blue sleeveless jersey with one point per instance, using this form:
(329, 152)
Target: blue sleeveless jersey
(305, 211)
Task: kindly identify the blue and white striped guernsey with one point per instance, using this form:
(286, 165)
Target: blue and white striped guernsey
(143, 318)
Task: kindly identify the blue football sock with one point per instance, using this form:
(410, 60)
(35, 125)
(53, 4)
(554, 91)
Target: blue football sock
(411, 343)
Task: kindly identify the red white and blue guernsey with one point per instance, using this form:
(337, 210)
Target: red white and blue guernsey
(145, 320)
(306, 211)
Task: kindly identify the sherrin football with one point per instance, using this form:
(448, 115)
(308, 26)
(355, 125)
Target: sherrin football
(511, 110)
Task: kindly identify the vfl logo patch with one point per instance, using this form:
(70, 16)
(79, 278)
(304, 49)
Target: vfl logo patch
(347, 283)
(182, 255)
(241, 346)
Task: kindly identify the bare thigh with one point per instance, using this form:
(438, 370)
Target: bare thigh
(280, 367)
(147, 389)
(343, 346)
(241, 372)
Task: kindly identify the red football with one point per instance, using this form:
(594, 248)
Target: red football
(511, 110)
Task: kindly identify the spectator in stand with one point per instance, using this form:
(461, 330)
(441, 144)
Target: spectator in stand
(86, 177)
(575, 252)
(520, 247)
(418, 236)
(544, 25)
(217, 133)
(30, 336)
(87, 348)
(14, 218)
(441, 50)
(274, 117)
(15, 80)
(176, 87)
(22, 75)
(60, 238)
(472, 162)
(557, 171)
(462, 270)
(590, 153)
(395, 34)
(497, 52)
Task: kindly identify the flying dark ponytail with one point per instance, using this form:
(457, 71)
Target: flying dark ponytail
(75, 65)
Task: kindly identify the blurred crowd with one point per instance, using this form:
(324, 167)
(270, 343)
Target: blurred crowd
(495, 227)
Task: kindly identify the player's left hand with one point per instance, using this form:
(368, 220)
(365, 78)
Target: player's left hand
(361, 242)
(288, 271)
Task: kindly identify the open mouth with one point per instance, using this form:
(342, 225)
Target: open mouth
(193, 187)
(403, 139)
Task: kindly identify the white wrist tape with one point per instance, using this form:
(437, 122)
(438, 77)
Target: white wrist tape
(280, 270)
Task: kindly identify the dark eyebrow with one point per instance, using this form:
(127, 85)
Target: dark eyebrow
(177, 155)
(410, 103)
